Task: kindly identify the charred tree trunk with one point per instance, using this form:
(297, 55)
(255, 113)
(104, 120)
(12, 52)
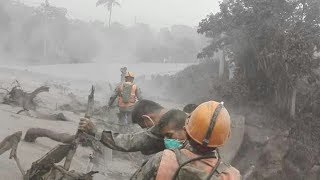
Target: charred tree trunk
(18, 97)
(34, 133)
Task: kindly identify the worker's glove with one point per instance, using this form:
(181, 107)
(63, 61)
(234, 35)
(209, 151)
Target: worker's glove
(87, 126)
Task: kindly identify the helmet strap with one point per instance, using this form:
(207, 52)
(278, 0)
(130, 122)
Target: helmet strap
(205, 141)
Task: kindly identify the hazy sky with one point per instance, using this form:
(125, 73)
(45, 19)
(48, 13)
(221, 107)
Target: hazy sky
(157, 13)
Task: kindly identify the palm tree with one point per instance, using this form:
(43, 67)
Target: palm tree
(109, 4)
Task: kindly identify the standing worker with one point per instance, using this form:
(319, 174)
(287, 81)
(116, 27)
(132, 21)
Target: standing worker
(128, 94)
(208, 128)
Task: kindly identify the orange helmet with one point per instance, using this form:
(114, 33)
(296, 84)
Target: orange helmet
(209, 124)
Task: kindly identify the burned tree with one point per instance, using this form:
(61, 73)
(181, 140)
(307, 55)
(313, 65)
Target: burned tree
(46, 166)
(18, 97)
(34, 133)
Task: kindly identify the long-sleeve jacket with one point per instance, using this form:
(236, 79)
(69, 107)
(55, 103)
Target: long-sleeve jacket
(147, 142)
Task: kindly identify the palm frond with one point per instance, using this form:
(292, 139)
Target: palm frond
(101, 2)
(108, 3)
(116, 3)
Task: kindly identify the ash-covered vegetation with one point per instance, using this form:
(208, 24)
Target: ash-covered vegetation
(275, 47)
(46, 35)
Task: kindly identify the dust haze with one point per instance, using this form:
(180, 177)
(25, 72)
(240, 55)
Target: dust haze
(61, 61)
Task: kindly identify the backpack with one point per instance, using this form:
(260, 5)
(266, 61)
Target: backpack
(126, 92)
(188, 171)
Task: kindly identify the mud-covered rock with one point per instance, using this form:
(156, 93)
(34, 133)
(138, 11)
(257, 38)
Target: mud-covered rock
(303, 154)
(269, 165)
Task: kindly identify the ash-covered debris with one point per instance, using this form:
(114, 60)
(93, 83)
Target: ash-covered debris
(18, 97)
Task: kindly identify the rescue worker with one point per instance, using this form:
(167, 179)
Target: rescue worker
(171, 127)
(147, 114)
(128, 94)
(207, 129)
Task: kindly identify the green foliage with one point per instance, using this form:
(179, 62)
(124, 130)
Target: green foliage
(273, 42)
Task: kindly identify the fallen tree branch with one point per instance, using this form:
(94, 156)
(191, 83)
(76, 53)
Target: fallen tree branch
(22, 110)
(45, 164)
(11, 142)
(18, 97)
(38, 91)
(85, 139)
(34, 133)
(76, 175)
(5, 89)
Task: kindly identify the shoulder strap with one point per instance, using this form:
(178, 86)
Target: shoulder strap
(187, 162)
(180, 159)
(223, 167)
(214, 169)
(219, 168)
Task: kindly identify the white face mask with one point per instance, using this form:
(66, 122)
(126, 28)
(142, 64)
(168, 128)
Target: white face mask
(149, 118)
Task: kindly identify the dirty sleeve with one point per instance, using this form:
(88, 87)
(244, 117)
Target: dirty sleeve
(149, 169)
(148, 142)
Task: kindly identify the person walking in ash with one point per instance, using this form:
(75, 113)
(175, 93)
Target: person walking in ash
(128, 94)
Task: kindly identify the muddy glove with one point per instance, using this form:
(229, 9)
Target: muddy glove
(87, 126)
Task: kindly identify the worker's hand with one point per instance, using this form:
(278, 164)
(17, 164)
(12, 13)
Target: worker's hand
(87, 126)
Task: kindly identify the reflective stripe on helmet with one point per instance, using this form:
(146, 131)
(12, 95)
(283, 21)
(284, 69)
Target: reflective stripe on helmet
(205, 141)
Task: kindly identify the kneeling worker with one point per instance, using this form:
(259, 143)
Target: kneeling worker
(207, 129)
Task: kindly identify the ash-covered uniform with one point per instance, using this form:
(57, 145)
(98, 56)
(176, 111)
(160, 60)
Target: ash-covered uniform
(147, 142)
(163, 166)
